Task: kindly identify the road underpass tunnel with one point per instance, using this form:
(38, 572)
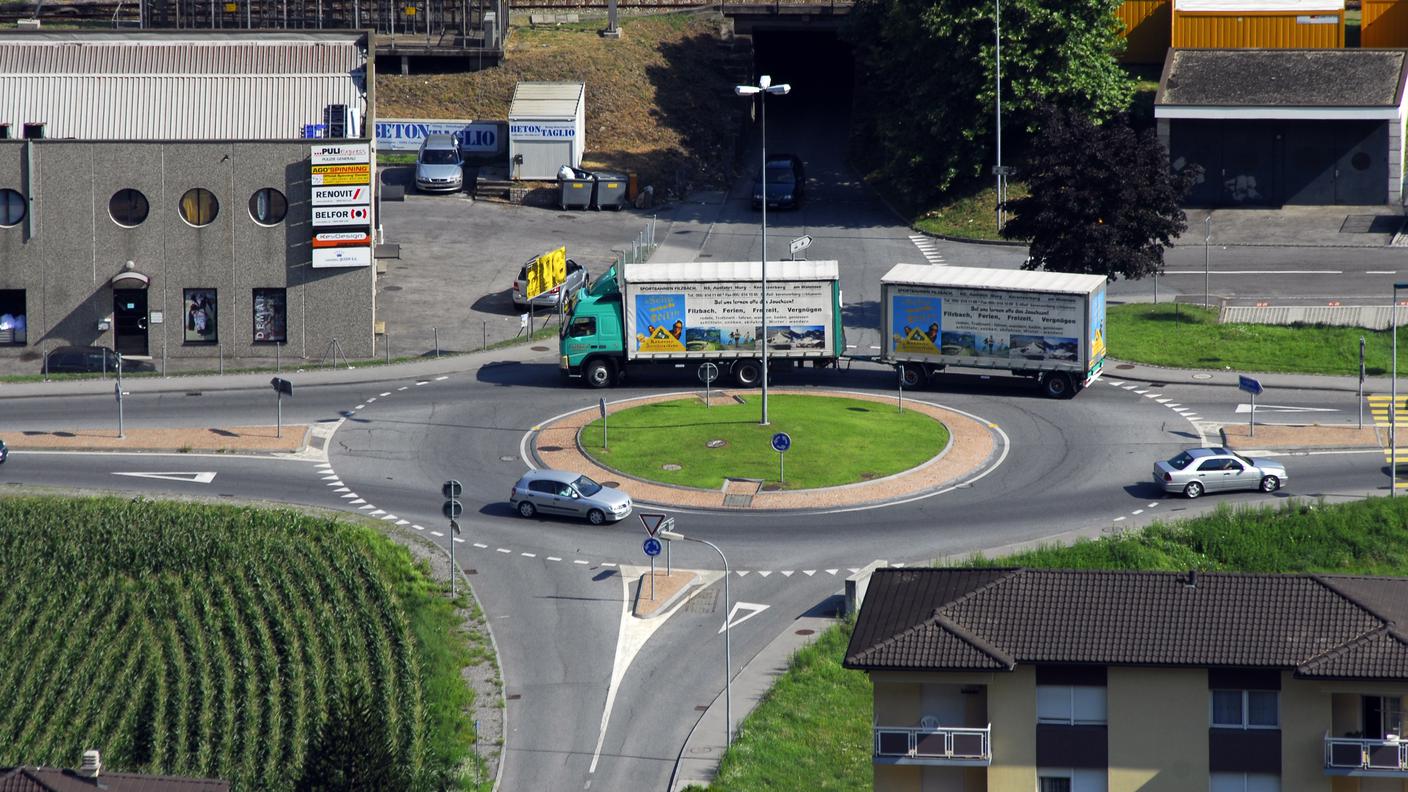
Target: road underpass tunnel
(813, 121)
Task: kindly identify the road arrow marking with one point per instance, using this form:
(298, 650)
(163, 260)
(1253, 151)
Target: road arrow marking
(752, 608)
(191, 478)
(1246, 408)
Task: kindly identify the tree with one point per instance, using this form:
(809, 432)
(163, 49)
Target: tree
(1103, 200)
(925, 98)
(352, 751)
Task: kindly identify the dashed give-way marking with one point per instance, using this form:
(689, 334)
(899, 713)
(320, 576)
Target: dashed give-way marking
(204, 477)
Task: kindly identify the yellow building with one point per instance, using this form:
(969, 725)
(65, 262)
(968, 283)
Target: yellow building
(1261, 24)
(1014, 680)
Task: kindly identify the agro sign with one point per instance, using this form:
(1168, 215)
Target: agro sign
(332, 196)
(342, 239)
(546, 272)
(341, 216)
(342, 154)
(342, 257)
(329, 175)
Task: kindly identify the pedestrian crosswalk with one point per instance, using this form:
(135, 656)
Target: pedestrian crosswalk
(928, 248)
(1382, 408)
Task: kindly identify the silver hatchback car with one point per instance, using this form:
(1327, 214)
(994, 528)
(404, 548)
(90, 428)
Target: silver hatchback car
(1200, 470)
(577, 278)
(439, 166)
(561, 492)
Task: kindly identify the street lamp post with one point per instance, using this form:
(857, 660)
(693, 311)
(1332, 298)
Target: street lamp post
(1207, 239)
(728, 668)
(1393, 400)
(762, 89)
(997, 81)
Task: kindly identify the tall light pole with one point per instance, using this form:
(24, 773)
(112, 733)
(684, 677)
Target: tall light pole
(998, 171)
(762, 89)
(1393, 403)
(728, 668)
(1207, 239)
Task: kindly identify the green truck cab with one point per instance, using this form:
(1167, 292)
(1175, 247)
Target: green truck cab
(592, 344)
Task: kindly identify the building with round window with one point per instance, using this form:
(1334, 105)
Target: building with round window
(157, 194)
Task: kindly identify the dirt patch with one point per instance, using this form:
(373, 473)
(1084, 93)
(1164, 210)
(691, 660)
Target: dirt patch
(198, 440)
(655, 96)
(1312, 436)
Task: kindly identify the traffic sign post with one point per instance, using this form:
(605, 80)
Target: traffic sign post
(601, 406)
(654, 524)
(652, 549)
(799, 244)
(1361, 382)
(1252, 387)
(900, 369)
(281, 387)
(780, 443)
(708, 372)
(452, 509)
(120, 434)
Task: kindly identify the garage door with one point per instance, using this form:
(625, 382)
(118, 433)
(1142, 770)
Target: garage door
(1270, 163)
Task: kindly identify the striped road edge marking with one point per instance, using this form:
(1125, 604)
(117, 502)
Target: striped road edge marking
(928, 248)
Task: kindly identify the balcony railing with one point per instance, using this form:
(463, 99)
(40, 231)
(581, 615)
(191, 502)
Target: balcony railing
(1350, 755)
(938, 745)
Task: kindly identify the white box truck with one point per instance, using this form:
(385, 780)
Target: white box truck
(1045, 325)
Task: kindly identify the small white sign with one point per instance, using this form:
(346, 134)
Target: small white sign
(522, 321)
(342, 257)
(1318, 20)
(341, 216)
(799, 244)
(351, 195)
(156, 317)
(342, 154)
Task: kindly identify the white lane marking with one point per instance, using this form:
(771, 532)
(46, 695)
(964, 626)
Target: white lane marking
(503, 550)
(529, 555)
(481, 545)
(808, 572)
(1137, 511)
(403, 522)
(1174, 405)
(378, 511)
(579, 561)
(457, 539)
(1152, 505)
(343, 489)
(1152, 395)
(441, 378)
(436, 533)
(360, 406)
(554, 558)
(1116, 383)
(1256, 272)
(832, 571)
(1130, 387)
(787, 573)
(1117, 519)
(1243, 409)
(365, 506)
(1163, 401)
(389, 518)
(765, 573)
(190, 478)
(418, 527)
(854, 570)
(403, 387)
(323, 465)
(387, 393)
(329, 475)
(741, 572)
(753, 609)
(928, 249)
(1380, 272)
(372, 399)
(422, 382)
(1141, 392)
(353, 500)
(608, 563)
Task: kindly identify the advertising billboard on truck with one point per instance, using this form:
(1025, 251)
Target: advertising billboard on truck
(725, 319)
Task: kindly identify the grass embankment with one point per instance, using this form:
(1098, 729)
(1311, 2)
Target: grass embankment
(968, 214)
(1364, 537)
(197, 640)
(659, 99)
(1184, 336)
(877, 438)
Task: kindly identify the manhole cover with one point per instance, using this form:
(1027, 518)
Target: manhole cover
(1202, 376)
(716, 443)
(514, 696)
(610, 483)
(471, 571)
(549, 448)
(1125, 366)
(670, 466)
(771, 487)
(392, 288)
(806, 632)
(701, 707)
(539, 348)
(507, 458)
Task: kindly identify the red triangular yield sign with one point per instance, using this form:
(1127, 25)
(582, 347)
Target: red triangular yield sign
(651, 521)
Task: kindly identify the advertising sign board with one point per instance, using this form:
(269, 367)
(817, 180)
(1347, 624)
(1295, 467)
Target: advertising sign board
(542, 130)
(339, 239)
(406, 134)
(330, 179)
(726, 317)
(546, 272)
(356, 195)
(341, 216)
(988, 325)
(342, 154)
(342, 257)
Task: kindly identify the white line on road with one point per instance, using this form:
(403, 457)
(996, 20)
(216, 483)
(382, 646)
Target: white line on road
(554, 558)
(832, 571)
(481, 546)
(579, 561)
(438, 379)
(808, 572)
(457, 539)
(372, 399)
(765, 573)
(1152, 505)
(608, 563)
(1256, 272)
(1380, 272)
(190, 478)
(1138, 511)
(436, 533)
(529, 555)
(403, 387)
(1117, 519)
(387, 393)
(503, 550)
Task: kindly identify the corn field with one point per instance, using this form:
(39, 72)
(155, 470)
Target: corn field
(207, 641)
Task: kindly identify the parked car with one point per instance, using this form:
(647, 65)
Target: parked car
(787, 182)
(577, 278)
(1200, 470)
(89, 360)
(4, 452)
(439, 165)
(563, 492)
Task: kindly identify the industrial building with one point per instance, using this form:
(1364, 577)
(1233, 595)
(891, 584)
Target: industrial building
(158, 193)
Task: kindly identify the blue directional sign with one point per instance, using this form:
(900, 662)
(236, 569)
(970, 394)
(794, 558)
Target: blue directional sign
(1249, 385)
(652, 547)
(781, 442)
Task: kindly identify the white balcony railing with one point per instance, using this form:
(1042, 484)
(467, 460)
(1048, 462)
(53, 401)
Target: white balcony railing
(1350, 753)
(943, 744)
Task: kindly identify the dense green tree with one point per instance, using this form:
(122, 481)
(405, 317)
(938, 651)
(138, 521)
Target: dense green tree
(924, 88)
(1103, 200)
(352, 751)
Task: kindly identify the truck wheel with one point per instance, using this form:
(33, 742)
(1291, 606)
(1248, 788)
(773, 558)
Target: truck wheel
(1057, 386)
(747, 373)
(599, 373)
(913, 376)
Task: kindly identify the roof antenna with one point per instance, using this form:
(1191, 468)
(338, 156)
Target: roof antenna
(1192, 579)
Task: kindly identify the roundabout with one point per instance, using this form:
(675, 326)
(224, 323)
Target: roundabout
(858, 456)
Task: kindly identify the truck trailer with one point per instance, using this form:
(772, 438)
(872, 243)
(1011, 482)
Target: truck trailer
(698, 312)
(1045, 325)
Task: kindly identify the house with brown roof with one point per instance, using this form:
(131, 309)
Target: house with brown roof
(1014, 680)
(90, 776)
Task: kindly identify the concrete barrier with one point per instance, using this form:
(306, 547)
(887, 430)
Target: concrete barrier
(857, 584)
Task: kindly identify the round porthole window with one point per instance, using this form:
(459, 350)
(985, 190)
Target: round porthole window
(1360, 161)
(268, 206)
(128, 207)
(199, 207)
(11, 208)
